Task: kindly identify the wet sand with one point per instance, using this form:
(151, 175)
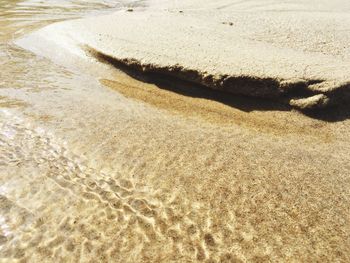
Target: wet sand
(100, 165)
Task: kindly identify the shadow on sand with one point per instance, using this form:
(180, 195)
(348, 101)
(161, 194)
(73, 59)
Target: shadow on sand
(333, 113)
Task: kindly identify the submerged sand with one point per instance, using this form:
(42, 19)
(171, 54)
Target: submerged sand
(160, 170)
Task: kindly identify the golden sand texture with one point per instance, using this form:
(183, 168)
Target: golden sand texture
(162, 171)
(117, 180)
(218, 195)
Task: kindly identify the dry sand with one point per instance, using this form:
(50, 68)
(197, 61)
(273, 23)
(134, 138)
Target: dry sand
(166, 171)
(295, 51)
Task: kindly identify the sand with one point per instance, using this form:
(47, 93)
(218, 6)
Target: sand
(293, 51)
(103, 165)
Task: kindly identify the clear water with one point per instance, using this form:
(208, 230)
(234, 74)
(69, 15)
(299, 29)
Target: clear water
(92, 174)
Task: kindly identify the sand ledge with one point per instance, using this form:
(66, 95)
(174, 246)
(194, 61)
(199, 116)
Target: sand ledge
(243, 49)
(300, 94)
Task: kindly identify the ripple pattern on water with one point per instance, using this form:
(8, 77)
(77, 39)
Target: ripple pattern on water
(54, 206)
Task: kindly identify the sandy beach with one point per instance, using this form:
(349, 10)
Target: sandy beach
(293, 51)
(175, 131)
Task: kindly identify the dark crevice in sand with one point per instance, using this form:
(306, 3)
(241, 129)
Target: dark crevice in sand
(195, 90)
(336, 114)
(264, 93)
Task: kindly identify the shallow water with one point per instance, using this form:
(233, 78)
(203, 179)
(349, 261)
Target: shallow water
(136, 173)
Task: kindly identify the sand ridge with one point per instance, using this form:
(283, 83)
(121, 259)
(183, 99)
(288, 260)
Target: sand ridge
(289, 50)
